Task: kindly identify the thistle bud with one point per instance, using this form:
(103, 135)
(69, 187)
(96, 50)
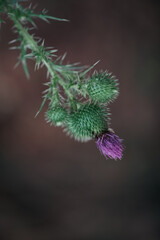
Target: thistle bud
(56, 115)
(88, 121)
(102, 87)
(110, 145)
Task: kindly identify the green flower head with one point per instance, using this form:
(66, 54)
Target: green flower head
(102, 87)
(88, 121)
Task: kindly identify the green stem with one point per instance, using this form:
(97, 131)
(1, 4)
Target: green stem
(52, 68)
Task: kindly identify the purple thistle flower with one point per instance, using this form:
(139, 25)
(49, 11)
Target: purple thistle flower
(110, 145)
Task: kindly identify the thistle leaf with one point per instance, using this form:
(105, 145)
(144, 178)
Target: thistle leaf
(86, 71)
(16, 1)
(43, 102)
(25, 67)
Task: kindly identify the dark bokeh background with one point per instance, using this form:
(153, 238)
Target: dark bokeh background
(52, 187)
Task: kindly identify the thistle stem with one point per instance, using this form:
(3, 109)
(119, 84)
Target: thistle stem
(52, 68)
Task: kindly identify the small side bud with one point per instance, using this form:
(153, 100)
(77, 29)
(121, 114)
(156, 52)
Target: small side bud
(56, 115)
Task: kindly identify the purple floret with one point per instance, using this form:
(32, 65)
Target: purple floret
(110, 145)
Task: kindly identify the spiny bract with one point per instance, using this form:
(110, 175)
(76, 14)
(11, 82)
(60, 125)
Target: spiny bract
(102, 87)
(56, 115)
(88, 121)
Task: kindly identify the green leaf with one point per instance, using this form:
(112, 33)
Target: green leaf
(16, 1)
(46, 17)
(43, 102)
(25, 67)
(84, 73)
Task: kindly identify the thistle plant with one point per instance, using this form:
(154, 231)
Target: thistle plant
(76, 101)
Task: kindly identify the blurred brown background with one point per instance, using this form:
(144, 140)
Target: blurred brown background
(52, 187)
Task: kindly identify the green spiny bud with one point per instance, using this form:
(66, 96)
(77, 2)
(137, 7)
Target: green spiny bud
(88, 121)
(56, 115)
(102, 87)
